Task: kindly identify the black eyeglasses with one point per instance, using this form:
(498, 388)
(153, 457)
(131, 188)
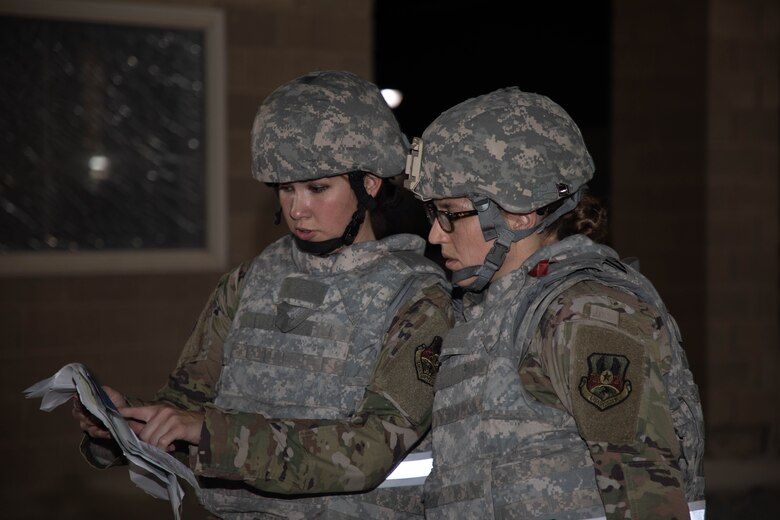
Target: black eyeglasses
(446, 218)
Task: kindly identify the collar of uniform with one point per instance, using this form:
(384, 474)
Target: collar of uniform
(475, 303)
(568, 247)
(356, 255)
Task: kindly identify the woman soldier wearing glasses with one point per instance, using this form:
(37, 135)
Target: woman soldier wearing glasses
(563, 391)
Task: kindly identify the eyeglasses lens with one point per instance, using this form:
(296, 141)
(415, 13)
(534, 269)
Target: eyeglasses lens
(433, 213)
(444, 221)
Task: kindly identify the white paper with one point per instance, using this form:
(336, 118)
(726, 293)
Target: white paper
(152, 469)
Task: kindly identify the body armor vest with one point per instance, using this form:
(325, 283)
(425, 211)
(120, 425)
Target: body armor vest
(498, 451)
(303, 345)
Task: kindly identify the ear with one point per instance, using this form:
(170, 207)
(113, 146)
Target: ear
(517, 221)
(372, 183)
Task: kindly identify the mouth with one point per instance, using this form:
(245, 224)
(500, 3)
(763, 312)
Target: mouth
(450, 263)
(304, 234)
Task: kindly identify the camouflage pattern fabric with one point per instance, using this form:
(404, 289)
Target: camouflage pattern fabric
(323, 124)
(559, 396)
(303, 372)
(493, 144)
(267, 464)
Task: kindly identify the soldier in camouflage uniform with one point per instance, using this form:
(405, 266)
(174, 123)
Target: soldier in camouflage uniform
(310, 372)
(563, 391)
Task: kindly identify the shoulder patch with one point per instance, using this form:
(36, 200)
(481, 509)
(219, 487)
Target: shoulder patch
(426, 360)
(607, 378)
(605, 385)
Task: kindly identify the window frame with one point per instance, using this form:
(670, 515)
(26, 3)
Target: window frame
(213, 256)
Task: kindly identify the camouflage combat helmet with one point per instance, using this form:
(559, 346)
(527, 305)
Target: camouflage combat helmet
(509, 150)
(324, 124)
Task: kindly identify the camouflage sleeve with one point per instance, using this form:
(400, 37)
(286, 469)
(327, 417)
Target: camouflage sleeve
(597, 355)
(193, 381)
(299, 456)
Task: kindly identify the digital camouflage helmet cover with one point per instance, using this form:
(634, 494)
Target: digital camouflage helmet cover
(509, 150)
(323, 124)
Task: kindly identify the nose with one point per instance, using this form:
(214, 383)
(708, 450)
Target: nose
(299, 206)
(436, 235)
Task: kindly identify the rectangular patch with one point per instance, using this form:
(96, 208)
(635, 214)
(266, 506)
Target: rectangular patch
(303, 292)
(605, 314)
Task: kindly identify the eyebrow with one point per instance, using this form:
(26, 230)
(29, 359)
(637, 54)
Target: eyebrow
(453, 207)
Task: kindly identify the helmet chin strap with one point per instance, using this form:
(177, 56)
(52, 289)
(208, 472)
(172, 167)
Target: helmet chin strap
(494, 228)
(364, 202)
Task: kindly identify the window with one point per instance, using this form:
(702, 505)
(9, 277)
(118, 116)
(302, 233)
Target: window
(112, 138)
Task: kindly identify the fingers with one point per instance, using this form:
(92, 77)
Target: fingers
(77, 410)
(116, 397)
(151, 423)
(96, 432)
(164, 424)
(136, 426)
(139, 413)
(87, 422)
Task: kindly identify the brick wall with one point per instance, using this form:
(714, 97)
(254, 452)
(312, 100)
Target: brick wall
(743, 167)
(658, 160)
(130, 328)
(695, 196)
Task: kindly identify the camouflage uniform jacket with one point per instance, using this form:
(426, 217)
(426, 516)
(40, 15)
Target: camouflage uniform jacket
(323, 384)
(564, 393)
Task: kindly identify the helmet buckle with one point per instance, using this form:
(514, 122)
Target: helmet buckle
(413, 163)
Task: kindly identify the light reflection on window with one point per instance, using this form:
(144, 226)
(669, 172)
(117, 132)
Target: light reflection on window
(101, 137)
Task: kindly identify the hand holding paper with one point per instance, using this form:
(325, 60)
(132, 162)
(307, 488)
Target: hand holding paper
(151, 468)
(161, 425)
(90, 424)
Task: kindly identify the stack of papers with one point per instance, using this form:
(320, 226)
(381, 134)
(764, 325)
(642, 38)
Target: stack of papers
(152, 469)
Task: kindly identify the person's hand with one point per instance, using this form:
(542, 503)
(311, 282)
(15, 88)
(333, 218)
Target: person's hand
(160, 425)
(90, 424)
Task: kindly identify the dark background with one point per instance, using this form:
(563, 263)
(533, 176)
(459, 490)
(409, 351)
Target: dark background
(439, 53)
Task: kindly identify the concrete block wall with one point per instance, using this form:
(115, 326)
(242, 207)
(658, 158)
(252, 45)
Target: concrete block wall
(129, 329)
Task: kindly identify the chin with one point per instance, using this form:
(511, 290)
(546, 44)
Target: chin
(466, 282)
